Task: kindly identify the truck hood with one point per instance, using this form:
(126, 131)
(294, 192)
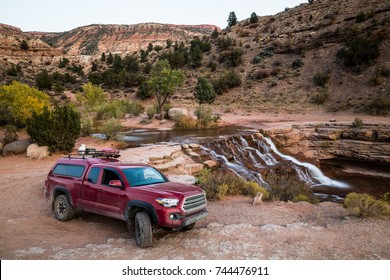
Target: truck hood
(170, 189)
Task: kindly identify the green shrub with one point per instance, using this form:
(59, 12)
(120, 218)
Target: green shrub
(219, 183)
(58, 129)
(205, 117)
(14, 70)
(321, 98)
(364, 205)
(301, 197)
(213, 66)
(111, 128)
(232, 57)
(204, 91)
(119, 108)
(361, 50)
(151, 111)
(228, 80)
(86, 125)
(358, 123)
(260, 75)
(24, 45)
(256, 60)
(285, 186)
(361, 17)
(385, 197)
(221, 191)
(224, 42)
(253, 188)
(321, 78)
(380, 105)
(185, 122)
(92, 97)
(297, 63)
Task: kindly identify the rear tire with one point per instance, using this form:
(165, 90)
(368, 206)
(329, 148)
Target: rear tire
(143, 230)
(62, 208)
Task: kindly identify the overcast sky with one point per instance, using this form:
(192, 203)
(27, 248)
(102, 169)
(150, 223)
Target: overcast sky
(57, 16)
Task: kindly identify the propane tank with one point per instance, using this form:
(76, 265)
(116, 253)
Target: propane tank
(82, 149)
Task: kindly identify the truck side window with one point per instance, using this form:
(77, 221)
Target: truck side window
(94, 175)
(109, 175)
(69, 170)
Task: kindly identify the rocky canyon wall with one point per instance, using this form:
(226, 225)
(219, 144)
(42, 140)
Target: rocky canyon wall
(369, 142)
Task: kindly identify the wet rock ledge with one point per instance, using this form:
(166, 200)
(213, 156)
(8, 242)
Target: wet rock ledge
(370, 142)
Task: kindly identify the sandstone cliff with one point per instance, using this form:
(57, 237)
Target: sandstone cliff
(368, 142)
(11, 38)
(99, 38)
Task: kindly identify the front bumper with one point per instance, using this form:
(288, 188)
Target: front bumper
(191, 220)
(175, 220)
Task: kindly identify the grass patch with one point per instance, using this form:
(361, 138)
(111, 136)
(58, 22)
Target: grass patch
(220, 183)
(364, 205)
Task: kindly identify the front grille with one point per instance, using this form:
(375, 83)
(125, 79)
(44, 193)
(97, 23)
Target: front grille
(194, 202)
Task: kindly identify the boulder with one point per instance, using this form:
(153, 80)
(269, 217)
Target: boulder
(35, 151)
(211, 164)
(193, 168)
(16, 147)
(175, 113)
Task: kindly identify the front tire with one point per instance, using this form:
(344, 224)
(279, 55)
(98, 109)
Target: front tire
(143, 230)
(62, 208)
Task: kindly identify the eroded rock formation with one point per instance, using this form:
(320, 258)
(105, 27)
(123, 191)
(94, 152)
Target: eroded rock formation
(371, 142)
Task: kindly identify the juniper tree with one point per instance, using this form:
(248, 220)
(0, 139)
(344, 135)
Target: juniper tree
(232, 19)
(253, 18)
(204, 91)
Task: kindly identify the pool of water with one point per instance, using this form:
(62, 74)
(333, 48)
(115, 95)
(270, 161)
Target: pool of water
(362, 176)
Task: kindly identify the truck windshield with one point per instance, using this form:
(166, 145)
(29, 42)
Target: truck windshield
(142, 176)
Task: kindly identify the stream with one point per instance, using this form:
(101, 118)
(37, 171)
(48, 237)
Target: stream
(249, 154)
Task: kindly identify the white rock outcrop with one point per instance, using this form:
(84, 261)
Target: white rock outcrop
(35, 151)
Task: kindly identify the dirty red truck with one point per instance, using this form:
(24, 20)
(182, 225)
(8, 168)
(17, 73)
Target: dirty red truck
(136, 193)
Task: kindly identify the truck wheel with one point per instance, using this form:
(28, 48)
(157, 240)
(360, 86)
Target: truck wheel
(143, 230)
(62, 208)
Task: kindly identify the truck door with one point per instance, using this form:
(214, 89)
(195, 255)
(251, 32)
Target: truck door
(111, 198)
(90, 190)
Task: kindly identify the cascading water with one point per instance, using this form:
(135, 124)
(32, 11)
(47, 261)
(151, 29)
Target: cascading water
(251, 155)
(311, 174)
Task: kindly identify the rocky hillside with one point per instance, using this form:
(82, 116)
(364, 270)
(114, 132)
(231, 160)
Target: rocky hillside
(98, 38)
(11, 39)
(329, 54)
(332, 53)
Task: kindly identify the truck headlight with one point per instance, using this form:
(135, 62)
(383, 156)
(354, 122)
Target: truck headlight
(168, 202)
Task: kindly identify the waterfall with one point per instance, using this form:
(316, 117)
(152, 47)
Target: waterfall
(313, 172)
(248, 160)
(239, 169)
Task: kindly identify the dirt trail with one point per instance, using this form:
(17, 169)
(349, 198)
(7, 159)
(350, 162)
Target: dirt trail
(234, 229)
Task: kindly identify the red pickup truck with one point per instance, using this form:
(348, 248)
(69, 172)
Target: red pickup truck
(136, 193)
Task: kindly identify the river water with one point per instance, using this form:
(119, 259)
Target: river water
(335, 177)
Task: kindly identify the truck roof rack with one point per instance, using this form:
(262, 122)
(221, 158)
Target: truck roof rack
(93, 153)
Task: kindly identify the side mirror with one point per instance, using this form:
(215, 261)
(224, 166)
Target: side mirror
(115, 183)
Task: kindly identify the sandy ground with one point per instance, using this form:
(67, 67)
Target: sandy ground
(234, 229)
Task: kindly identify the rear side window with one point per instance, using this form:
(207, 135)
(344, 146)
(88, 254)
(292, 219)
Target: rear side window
(69, 170)
(94, 175)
